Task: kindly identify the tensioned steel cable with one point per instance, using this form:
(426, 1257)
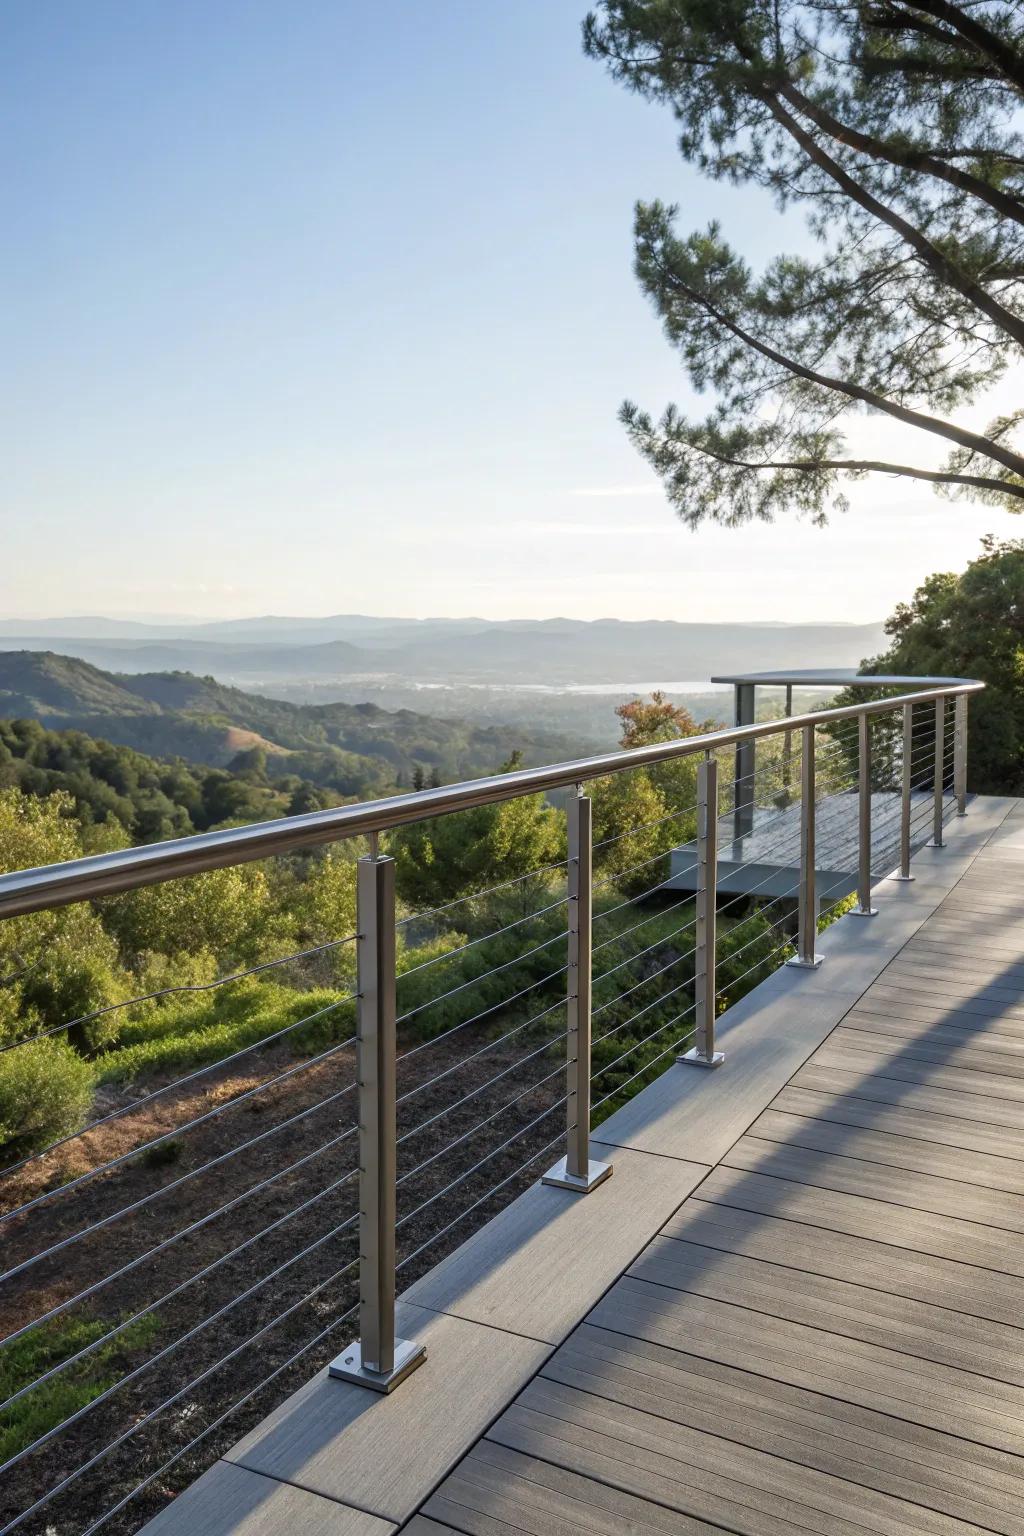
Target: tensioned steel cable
(645, 826)
(221, 1419)
(446, 1034)
(668, 1051)
(475, 981)
(146, 1365)
(450, 1108)
(178, 1130)
(482, 1200)
(683, 901)
(509, 1104)
(485, 938)
(170, 1401)
(183, 1285)
(457, 1066)
(639, 1044)
(645, 982)
(758, 965)
(194, 1173)
(467, 1172)
(177, 990)
(460, 901)
(639, 954)
(202, 1221)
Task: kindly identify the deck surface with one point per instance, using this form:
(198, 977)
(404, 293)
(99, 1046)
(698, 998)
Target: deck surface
(828, 1334)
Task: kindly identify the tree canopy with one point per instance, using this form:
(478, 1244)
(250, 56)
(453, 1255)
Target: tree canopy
(891, 126)
(972, 625)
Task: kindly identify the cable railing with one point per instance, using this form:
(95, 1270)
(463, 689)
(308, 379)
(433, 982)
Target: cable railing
(177, 1257)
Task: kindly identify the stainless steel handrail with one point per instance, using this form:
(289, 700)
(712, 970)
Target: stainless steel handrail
(106, 874)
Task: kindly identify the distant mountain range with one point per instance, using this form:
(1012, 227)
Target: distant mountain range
(353, 748)
(349, 648)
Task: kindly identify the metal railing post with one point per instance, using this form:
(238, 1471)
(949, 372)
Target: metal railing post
(906, 781)
(864, 907)
(377, 1359)
(960, 753)
(577, 1170)
(940, 769)
(703, 1053)
(807, 899)
(746, 764)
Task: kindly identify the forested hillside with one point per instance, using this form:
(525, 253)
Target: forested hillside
(350, 749)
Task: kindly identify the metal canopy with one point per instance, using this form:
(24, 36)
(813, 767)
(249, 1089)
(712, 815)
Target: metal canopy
(831, 677)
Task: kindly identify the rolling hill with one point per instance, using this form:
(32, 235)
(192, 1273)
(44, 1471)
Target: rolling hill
(354, 748)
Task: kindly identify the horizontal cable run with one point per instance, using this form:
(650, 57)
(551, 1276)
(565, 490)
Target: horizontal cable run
(202, 1221)
(495, 970)
(491, 890)
(639, 954)
(639, 1044)
(179, 989)
(178, 1130)
(494, 1115)
(508, 1035)
(221, 1418)
(438, 1194)
(450, 1108)
(152, 1306)
(481, 1200)
(168, 1402)
(668, 1051)
(661, 912)
(644, 826)
(190, 1333)
(628, 991)
(453, 954)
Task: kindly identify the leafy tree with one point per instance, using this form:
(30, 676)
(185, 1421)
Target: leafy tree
(59, 964)
(452, 856)
(225, 911)
(972, 625)
(893, 126)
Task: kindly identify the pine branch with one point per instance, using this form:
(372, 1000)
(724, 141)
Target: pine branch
(973, 441)
(944, 269)
(907, 159)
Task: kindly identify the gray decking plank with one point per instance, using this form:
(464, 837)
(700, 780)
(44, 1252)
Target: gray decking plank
(843, 1171)
(963, 1342)
(733, 1407)
(894, 1151)
(854, 1081)
(925, 1277)
(873, 1217)
(872, 1376)
(978, 1054)
(931, 1125)
(699, 1473)
(881, 1062)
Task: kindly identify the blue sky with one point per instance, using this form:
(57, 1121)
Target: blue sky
(313, 306)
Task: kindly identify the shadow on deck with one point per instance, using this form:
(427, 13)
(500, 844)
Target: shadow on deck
(795, 1307)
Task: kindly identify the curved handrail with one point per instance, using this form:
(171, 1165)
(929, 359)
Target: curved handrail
(107, 874)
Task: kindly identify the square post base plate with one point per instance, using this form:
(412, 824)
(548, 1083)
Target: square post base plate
(897, 876)
(695, 1058)
(799, 964)
(559, 1176)
(863, 911)
(349, 1366)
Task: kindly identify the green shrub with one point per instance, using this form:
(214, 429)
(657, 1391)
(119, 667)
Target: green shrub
(26, 1359)
(45, 1093)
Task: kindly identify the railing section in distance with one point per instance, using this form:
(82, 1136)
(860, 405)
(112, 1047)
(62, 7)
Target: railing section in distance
(182, 1255)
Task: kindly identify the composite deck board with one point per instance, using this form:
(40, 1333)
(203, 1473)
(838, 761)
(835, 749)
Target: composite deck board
(893, 1150)
(827, 1336)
